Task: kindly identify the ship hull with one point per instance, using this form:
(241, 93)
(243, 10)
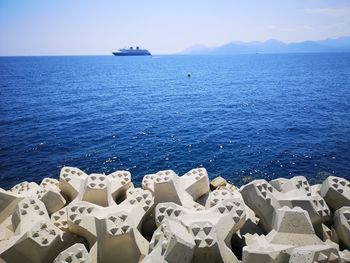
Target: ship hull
(130, 54)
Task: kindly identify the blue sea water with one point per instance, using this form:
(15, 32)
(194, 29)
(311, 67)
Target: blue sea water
(241, 117)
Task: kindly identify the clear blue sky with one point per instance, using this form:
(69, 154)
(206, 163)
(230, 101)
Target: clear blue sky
(58, 27)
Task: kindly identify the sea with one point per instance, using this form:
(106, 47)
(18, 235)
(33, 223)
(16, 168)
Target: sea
(242, 117)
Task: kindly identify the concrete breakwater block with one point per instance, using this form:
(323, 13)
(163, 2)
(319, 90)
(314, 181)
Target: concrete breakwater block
(167, 186)
(336, 192)
(99, 189)
(265, 198)
(208, 232)
(289, 240)
(342, 225)
(103, 218)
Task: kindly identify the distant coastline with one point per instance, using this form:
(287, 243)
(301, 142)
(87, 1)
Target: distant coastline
(272, 46)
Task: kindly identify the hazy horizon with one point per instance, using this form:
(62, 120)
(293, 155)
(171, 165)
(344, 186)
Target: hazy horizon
(79, 27)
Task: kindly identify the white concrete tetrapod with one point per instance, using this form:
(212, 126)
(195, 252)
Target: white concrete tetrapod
(342, 225)
(40, 243)
(74, 254)
(99, 189)
(206, 234)
(119, 230)
(336, 192)
(291, 236)
(115, 231)
(264, 199)
(167, 186)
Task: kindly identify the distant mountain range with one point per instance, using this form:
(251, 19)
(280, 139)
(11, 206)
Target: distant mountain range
(341, 44)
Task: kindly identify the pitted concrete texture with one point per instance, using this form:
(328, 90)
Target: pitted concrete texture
(336, 192)
(203, 235)
(263, 198)
(342, 225)
(292, 239)
(104, 218)
(167, 186)
(99, 189)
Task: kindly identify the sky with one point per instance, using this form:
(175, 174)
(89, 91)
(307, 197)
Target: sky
(98, 27)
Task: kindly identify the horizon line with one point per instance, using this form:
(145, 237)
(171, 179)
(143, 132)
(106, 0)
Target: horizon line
(178, 54)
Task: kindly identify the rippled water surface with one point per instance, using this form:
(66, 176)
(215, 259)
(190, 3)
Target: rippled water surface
(242, 117)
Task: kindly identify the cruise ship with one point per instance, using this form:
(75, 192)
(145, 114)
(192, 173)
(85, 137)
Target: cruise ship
(132, 52)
